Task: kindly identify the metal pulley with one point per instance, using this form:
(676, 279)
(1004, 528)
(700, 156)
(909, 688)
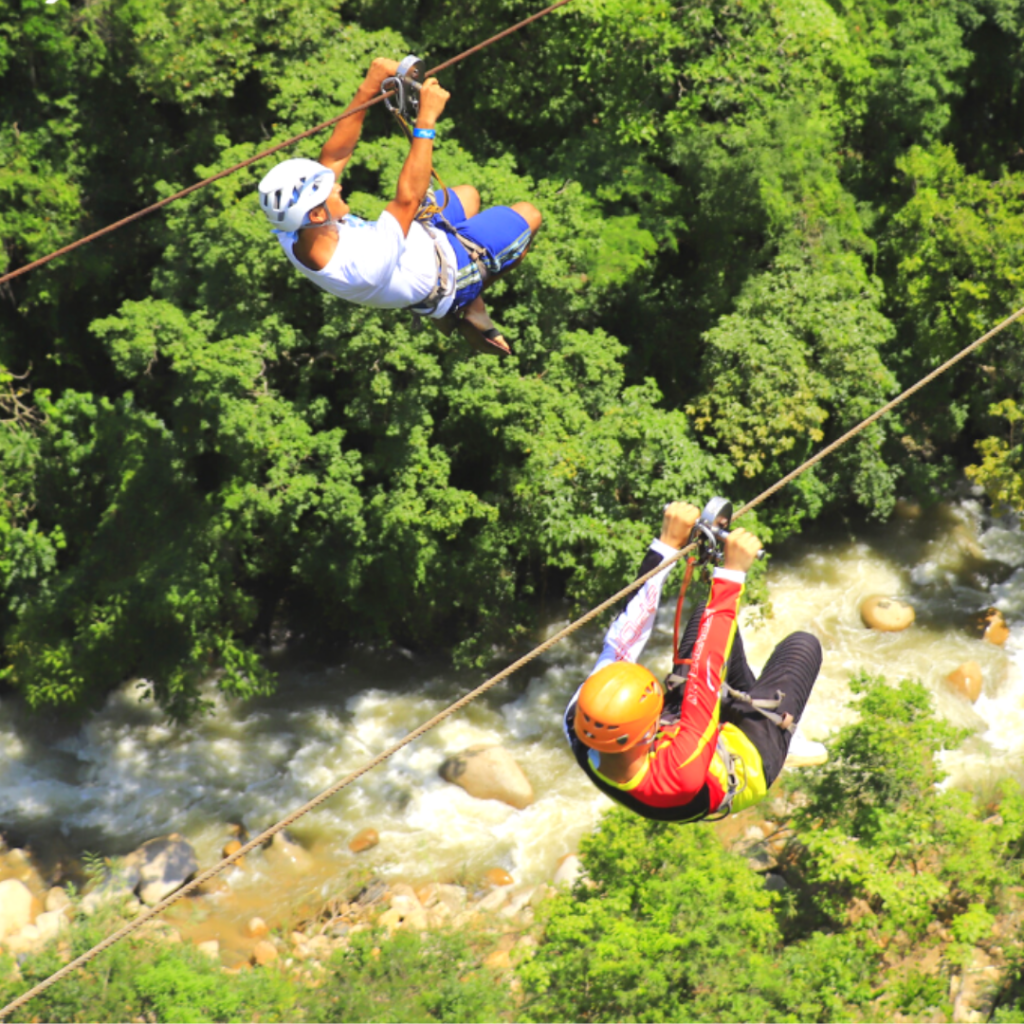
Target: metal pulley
(402, 90)
(711, 531)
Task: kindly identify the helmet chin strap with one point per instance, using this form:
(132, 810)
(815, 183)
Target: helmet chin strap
(330, 222)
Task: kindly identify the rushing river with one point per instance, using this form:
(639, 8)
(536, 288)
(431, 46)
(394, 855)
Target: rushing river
(127, 775)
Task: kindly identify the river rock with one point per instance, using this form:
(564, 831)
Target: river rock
(284, 849)
(92, 901)
(908, 509)
(498, 876)
(15, 907)
(51, 924)
(57, 899)
(427, 895)
(966, 679)
(264, 953)
(17, 863)
(405, 910)
(230, 847)
(453, 897)
(517, 901)
(210, 948)
(996, 632)
(499, 960)
(364, 840)
(886, 614)
(493, 901)
(26, 940)
(568, 873)
(117, 885)
(256, 928)
(374, 891)
(438, 916)
(489, 773)
(752, 846)
(164, 865)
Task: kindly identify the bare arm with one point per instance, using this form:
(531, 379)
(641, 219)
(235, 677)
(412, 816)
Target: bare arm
(338, 149)
(414, 180)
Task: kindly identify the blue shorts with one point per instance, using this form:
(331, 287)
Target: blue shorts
(502, 232)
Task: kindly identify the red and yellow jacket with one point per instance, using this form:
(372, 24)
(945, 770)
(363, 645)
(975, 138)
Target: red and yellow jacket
(684, 778)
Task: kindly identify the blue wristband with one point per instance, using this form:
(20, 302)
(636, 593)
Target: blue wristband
(423, 133)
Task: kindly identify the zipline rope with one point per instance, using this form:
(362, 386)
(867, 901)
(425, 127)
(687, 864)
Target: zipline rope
(332, 790)
(139, 214)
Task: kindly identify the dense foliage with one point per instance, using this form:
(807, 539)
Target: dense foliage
(761, 220)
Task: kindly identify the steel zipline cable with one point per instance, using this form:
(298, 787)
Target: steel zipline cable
(139, 214)
(452, 709)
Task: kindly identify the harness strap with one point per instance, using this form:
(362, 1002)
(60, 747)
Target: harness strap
(730, 762)
(445, 279)
(762, 706)
(444, 284)
(687, 576)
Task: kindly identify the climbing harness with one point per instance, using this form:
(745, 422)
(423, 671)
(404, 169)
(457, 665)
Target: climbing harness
(708, 538)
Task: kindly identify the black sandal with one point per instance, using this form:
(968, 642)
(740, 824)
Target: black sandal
(488, 341)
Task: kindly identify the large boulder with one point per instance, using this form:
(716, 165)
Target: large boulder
(966, 679)
(15, 907)
(164, 864)
(489, 773)
(284, 852)
(886, 614)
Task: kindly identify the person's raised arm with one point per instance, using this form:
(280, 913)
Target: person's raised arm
(631, 629)
(338, 149)
(414, 180)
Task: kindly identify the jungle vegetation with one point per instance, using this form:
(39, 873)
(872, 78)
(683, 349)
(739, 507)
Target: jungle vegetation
(762, 220)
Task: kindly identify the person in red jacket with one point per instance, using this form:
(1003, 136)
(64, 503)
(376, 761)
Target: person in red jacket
(692, 753)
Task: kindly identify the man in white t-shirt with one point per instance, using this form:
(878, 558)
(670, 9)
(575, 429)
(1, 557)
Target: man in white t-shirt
(437, 267)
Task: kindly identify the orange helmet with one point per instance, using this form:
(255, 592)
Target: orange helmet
(617, 706)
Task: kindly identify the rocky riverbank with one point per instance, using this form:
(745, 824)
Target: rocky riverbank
(35, 913)
(505, 918)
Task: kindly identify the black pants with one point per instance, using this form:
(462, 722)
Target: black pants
(792, 668)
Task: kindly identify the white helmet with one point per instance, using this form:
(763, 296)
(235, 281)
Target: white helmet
(292, 189)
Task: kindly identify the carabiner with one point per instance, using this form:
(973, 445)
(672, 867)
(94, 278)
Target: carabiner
(402, 90)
